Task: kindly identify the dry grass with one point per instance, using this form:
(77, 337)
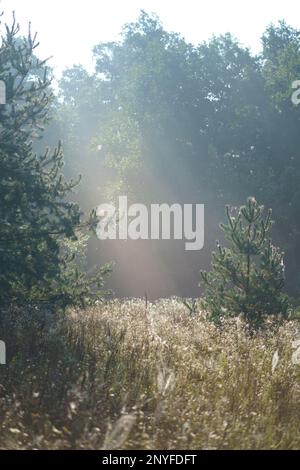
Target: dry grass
(123, 376)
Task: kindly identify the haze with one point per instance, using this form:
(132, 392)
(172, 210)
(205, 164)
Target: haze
(68, 30)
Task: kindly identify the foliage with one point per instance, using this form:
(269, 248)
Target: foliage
(248, 277)
(209, 121)
(36, 213)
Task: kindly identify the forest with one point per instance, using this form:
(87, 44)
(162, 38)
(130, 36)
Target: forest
(183, 337)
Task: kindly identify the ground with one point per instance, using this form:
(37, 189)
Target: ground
(126, 375)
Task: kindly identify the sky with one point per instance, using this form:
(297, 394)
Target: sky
(68, 29)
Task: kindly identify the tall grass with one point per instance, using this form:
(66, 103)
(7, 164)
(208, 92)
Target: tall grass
(125, 375)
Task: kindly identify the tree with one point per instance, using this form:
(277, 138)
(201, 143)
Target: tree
(247, 278)
(211, 122)
(36, 213)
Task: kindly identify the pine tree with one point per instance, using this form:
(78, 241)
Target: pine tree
(36, 213)
(248, 277)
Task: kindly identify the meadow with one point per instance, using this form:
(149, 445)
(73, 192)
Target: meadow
(137, 375)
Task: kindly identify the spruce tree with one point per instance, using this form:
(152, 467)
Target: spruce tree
(247, 278)
(36, 211)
